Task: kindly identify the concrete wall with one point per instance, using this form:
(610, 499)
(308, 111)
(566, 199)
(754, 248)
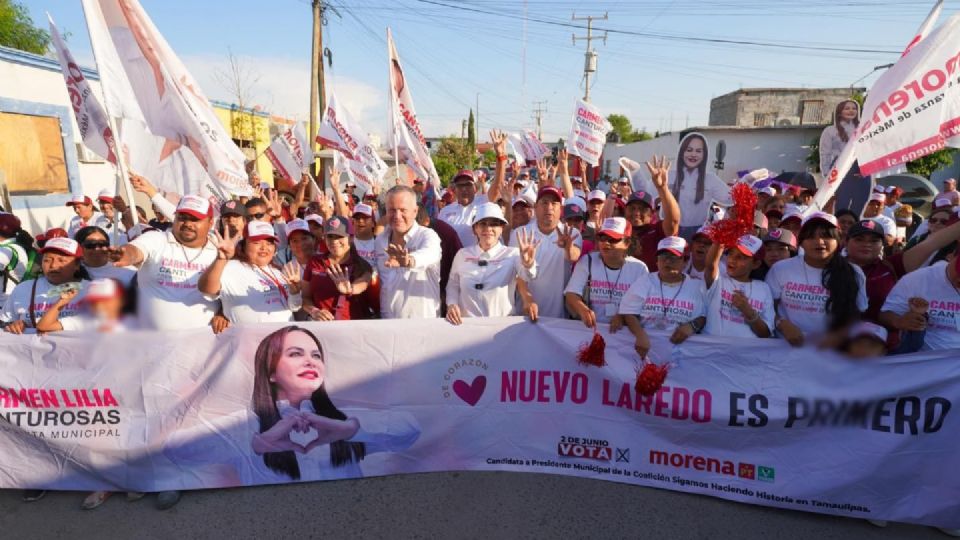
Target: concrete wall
(776, 149)
(740, 108)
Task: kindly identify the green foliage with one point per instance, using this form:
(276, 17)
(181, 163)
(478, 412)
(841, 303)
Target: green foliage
(18, 31)
(813, 158)
(624, 129)
(471, 135)
(931, 163)
(453, 154)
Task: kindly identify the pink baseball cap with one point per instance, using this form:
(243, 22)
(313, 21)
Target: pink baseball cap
(868, 330)
(673, 244)
(259, 230)
(196, 206)
(66, 246)
(295, 226)
(364, 209)
(615, 227)
(878, 197)
(822, 216)
(314, 218)
(749, 245)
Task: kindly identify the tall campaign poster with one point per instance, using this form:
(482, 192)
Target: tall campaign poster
(588, 133)
(749, 420)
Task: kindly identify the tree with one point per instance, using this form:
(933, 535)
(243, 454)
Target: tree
(452, 155)
(471, 134)
(623, 130)
(18, 31)
(931, 163)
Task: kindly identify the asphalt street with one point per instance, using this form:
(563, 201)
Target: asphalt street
(440, 505)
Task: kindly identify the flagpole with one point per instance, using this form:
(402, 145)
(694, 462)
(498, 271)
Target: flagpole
(393, 106)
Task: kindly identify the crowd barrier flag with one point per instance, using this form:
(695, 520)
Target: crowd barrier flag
(588, 133)
(171, 102)
(749, 420)
(410, 147)
(911, 111)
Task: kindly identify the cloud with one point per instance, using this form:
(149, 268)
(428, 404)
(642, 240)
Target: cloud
(282, 87)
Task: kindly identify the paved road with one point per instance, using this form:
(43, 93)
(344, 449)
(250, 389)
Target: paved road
(443, 505)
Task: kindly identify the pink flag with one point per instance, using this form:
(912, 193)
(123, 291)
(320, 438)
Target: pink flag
(91, 118)
(173, 105)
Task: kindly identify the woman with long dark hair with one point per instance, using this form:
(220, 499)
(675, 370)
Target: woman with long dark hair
(693, 186)
(846, 119)
(819, 294)
(295, 430)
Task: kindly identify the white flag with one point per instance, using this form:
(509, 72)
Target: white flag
(926, 26)
(291, 152)
(515, 141)
(411, 146)
(536, 149)
(588, 133)
(91, 118)
(339, 131)
(911, 111)
(173, 105)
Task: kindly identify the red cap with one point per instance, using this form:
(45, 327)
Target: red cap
(9, 224)
(196, 206)
(615, 227)
(550, 190)
(79, 199)
(463, 173)
(259, 230)
(66, 246)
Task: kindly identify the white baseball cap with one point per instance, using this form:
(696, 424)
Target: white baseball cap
(296, 225)
(822, 216)
(596, 195)
(259, 230)
(615, 227)
(106, 195)
(889, 226)
(314, 218)
(868, 329)
(364, 209)
(101, 289)
(768, 191)
(878, 197)
(66, 246)
(879, 189)
(488, 210)
(756, 175)
(749, 245)
(673, 244)
(525, 198)
(791, 213)
(581, 204)
(196, 206)
(941, 202)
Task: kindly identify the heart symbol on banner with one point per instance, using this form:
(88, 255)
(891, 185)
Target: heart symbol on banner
(470, 393)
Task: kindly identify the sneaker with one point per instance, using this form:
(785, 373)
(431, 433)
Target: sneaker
(135, 495)
(167, 499)
(33, 495)
(95, 499)
(950, 532)
(877, 522)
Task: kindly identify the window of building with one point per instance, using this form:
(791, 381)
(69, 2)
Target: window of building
(765, 119)
(811, 111)
(32, 155)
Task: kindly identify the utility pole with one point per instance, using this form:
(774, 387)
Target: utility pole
(590, 57)
(318, 88)
(539, 109)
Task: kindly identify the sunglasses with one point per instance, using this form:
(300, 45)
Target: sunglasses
(95, 245)
(258, 215)
(608, 239)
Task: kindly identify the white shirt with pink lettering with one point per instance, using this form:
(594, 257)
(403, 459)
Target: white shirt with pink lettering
(931, 284)
(803, 298)
(723, 319)
(607, 285)
(253, 294)
(663, 306)
(167, 280)
(17, 306)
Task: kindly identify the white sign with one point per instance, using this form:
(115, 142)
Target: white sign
(588, 133)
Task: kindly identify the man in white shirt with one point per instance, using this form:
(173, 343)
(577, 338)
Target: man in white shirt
(170, 264)
(928, 300)
(950, 191)
(408, 261)
(874, 210)
(461, 213)
(86, 214)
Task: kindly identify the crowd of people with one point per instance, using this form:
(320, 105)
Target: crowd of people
(534, 241)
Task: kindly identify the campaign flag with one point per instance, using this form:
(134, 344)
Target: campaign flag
(411, 147)
(588, 133)
(172, 103)
(91, 118)
(515, 142)
(340, 131)
(926, 26)
(535, 149)
(911, 111)
(169, 165)
(291, 152)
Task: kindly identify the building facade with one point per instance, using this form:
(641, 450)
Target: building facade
(770, 107)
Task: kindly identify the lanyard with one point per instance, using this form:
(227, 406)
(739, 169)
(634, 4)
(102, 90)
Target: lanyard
(664, 305)
(275, 281)
(613, 289)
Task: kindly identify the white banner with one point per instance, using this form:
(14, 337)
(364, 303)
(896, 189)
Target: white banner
(91, 118)
(533, 147)
(341, 132)
(588, 133)
(411, 147)
(754, 420)
(291, 152)
(172, 104)
(515, 141)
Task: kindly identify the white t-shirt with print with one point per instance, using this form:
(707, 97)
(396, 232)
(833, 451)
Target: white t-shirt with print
(123, 274)
(607, 286)
(931, 284)
(461, 218)
(167, 280)
(664, 304)
(803, 298)
(367, 249)
(251, 294)
(723, 319)
(17, 306)
(553, 269)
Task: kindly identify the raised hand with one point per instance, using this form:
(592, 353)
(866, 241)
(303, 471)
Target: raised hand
(274, 205)
(453, 314)
(562, 160)
(226, 244)
(658, 171)
(291, 274)
(515, 170)
(564, 237)
(341, 279)
(141, 184)
(528, 244)
(541, 170)
(334, 175)
(499, 140)
(397, 256)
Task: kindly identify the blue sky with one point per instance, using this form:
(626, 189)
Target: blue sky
(454, 50)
